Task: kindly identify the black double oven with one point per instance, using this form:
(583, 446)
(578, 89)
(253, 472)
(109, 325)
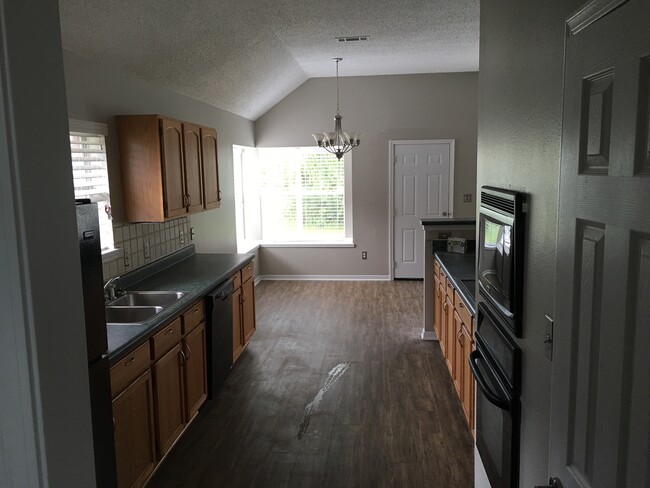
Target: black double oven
(496, 362)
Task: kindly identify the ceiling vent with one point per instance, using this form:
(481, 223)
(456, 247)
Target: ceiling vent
(352, 38)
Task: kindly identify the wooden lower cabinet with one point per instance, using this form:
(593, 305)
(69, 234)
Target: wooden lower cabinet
(248, 310)
(158, 389)
(169, 402)
(196, 385)
(243, 310)
(450, 335)
(456, 326)
(134, 432)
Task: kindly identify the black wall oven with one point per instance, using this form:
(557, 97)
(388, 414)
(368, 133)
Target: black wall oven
(501, 253)
(496, 365)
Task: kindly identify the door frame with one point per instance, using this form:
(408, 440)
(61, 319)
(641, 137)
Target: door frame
(391, 190)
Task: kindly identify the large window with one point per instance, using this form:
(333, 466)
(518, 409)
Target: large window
(299, 196)
(90, 173)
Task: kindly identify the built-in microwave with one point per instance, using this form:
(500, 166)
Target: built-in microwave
(501, 253)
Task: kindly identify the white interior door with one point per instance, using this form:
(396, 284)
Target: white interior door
(422, 173)
(600, 436)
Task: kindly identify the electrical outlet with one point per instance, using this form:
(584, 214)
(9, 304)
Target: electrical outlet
(467, 197)
(147, 255)
(127, 259)
(364, 254)
(191, 233)
(181, 237)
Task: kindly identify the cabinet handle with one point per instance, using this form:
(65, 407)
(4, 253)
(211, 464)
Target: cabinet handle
(189, 200)
(460, 304)
(170, 331)
(219, 197)
(459, 337)
(114, 427)
(130, 361)
(189, 352)
(243, 295)
(183, 358)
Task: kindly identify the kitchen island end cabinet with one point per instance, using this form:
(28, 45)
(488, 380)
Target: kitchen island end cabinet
(169, 167)
(243, 304)
(454, 325)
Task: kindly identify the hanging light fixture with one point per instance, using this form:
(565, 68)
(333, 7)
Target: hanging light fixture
(338, 142)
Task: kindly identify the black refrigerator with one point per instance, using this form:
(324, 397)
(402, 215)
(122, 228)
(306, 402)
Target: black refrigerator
(97, 343)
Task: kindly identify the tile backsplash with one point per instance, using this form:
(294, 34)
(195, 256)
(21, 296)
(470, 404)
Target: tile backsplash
(144, 243)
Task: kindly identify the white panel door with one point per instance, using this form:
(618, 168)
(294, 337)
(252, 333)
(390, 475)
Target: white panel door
(421, 191)
(600, 399)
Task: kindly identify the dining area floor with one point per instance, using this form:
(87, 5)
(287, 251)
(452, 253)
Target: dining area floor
(335, 389)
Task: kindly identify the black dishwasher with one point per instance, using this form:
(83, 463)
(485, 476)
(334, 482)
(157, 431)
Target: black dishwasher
(218, 306)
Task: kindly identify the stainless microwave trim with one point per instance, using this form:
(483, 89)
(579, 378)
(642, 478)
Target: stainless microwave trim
(505, 218)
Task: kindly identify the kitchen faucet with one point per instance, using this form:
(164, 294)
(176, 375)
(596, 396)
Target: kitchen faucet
(109, 289)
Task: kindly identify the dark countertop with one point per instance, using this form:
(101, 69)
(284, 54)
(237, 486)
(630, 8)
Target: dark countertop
(461, 268)
(448, 222)
(196, 274)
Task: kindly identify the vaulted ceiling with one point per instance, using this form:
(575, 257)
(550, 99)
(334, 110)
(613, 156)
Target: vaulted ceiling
(244, 56)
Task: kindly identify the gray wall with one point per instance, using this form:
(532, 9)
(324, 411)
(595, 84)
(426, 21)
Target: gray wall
(97, 93)
(45, 425)
(520, 102)
(428, 106)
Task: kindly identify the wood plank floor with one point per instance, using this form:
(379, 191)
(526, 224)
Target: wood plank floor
(335, 390)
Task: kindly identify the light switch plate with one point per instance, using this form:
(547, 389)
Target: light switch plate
(467, 198)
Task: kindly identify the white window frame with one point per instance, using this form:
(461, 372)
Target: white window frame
(246, 244)
(96, 128)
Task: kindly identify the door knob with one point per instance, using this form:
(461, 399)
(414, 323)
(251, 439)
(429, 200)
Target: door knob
(444, 214)
(553, 482)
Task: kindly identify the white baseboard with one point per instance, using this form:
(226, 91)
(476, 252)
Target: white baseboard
(428, 335)
(324, 278)
(257, 280)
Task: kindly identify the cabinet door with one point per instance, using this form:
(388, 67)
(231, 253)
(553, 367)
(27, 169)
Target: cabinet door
(437, 306)
(196, 386)
(450, 335)
(467, 379)
(443, 320)
(171, 145)
(169, 405)
(248, 309)
(457, 370)
(193, 176)
(210, 165)
(134, 433)
(237, 333)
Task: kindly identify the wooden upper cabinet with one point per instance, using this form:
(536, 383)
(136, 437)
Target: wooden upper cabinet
(212, 197)
(193, 173)
(171, 138)
(163, 171)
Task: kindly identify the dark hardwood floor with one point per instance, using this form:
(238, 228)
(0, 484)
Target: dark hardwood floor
(336, 389)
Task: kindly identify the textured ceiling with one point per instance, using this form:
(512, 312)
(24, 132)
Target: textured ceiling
(245, 56)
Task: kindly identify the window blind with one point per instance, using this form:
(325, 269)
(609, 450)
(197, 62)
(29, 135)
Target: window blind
(302, 196)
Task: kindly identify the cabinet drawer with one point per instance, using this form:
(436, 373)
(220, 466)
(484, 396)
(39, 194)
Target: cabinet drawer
(129, 368)
(193, 317)
(463, 311)
(247, 272)
(451, 291)
(443, 279)
(167, 338)
(436, 269)
(236, 279)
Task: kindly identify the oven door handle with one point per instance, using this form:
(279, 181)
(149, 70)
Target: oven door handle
(493, 398)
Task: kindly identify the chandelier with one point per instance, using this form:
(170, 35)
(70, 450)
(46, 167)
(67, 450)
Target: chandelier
(338, 142)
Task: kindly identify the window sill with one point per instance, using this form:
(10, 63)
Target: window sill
(111, 255)
(344, 243)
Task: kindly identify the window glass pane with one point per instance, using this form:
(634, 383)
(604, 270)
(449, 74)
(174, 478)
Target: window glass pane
(302, 195)
(90, 177)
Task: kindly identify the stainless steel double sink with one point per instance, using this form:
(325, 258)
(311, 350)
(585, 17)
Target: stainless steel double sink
(139, 307)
